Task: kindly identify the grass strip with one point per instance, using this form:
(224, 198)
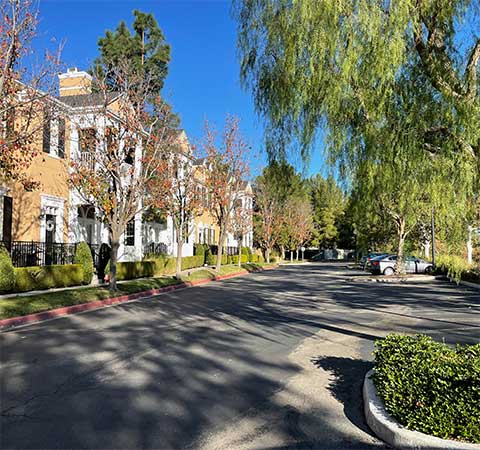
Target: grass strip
(21, 306)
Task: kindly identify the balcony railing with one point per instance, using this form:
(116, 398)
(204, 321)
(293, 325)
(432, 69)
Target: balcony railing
(227, 250)
(155, 249)
(87, 159)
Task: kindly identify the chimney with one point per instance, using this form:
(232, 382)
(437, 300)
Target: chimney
(75, 82)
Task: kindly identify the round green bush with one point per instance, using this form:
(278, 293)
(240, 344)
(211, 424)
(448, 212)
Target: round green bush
(83, 256)
(7, 272)
(429, 386)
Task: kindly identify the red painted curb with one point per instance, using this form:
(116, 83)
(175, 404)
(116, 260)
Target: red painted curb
(67, 310)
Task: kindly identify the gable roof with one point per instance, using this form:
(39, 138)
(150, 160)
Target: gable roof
(88, 100)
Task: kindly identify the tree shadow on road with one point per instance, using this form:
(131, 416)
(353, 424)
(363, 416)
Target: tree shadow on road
(346, 386)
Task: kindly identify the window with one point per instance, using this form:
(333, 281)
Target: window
(130, 233)
(61, 138)
(86, 212)
(46, 134)
(88, 140)
(130, 156)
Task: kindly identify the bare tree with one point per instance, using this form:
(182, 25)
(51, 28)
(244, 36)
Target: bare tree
(25, 92)
(226, 170)
(124, 140)
(268, 216)
(241, 223)
(176, 191)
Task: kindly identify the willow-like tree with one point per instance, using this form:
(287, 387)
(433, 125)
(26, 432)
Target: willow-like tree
(335, 63)
(343, 66)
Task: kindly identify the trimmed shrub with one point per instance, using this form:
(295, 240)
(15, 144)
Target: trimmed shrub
(7, 272)
(47, 277)
(210, 258)
(235, 259)
(199, 249)
(190, 262)
(429, 386)
(163, 265)
(260, 259)
(83, 256)
(133, 269)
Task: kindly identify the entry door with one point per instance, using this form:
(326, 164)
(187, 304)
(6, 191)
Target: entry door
(7, 220)
(50, 229)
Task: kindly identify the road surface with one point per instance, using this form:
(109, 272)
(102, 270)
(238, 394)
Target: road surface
(273, 360)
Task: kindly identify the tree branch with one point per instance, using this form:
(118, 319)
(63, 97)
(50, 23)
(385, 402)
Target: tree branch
(471, 71)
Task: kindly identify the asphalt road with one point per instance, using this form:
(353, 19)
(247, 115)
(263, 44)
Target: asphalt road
(273, 360)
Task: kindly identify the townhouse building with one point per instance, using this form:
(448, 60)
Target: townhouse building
(43, 226)
(206, 229)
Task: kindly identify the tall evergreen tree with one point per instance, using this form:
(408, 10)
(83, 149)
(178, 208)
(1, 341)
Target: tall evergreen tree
(145, 48)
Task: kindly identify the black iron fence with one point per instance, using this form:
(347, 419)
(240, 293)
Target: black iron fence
(31, 253)
(155, 249)
(227, 250)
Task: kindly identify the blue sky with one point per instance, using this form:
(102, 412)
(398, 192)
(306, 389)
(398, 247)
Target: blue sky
(203, 80)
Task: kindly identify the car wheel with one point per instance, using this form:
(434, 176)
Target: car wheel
(429, 270)
(388, 271)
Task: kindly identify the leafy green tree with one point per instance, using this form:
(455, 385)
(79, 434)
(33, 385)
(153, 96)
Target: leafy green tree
(393, 84)
(336, 63)
(145, 48)
(328, 203)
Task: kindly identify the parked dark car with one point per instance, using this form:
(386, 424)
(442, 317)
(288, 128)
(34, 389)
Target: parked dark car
(386, 265)
(368, 257)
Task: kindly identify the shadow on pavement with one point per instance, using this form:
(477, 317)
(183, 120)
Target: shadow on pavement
(347, 385)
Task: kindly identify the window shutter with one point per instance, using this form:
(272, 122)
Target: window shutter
(7, 220)
(46, 134)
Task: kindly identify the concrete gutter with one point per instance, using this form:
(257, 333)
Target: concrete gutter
(396, 435)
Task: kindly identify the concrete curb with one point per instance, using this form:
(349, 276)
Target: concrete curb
(394, 434)
(12, 322)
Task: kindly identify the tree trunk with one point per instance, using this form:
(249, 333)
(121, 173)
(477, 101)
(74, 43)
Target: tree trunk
(267, 255)
(469, 246)
(178, 269)
(298, 251)
(240, 252)
(221, 243)
(282, 249)
(400, 266)
(114, 239)
(291, 255)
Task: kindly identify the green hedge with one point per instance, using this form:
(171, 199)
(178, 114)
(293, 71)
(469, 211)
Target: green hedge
(190, 262)
(7, 272)
(83, 256)
(257, 258)
(163, 265)
(430, 387)
(133, 269)
(234, 259)
(47, 277)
